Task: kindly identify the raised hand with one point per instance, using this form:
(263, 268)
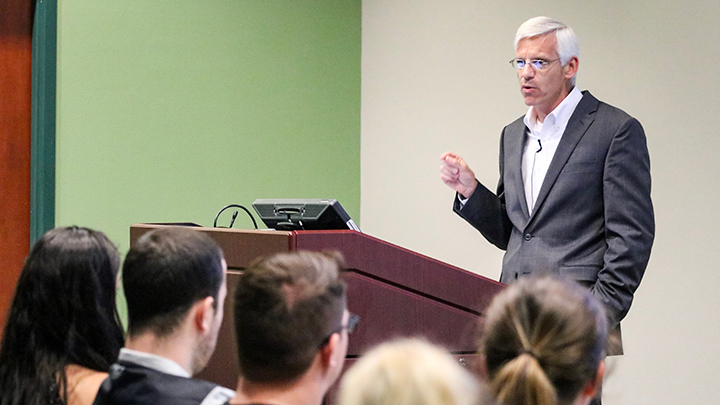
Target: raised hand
(456, 174)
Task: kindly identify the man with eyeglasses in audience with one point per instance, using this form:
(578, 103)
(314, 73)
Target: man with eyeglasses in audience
(292, 326)
(574, 191)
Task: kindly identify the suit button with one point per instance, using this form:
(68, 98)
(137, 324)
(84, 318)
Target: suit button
(528, 236)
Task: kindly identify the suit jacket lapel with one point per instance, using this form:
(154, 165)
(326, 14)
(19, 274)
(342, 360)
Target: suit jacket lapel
(513, 163)
(577, 126)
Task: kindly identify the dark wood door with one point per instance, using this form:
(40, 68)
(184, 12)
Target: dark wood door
(15, 105)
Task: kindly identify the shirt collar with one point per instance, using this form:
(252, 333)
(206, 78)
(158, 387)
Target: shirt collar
(558, 117)
(152, 361)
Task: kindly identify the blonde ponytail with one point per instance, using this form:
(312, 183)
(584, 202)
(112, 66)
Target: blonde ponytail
(523, 381)
(543, 341)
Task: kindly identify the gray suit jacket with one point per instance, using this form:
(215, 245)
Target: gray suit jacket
(593, 220)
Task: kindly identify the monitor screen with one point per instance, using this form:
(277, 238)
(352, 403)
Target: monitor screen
(303, 214)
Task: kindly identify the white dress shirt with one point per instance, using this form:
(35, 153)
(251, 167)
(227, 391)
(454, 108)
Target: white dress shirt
(542, 142)
(153, 361)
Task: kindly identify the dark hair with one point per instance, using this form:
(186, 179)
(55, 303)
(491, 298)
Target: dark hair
(165, 274)
(63, 313)
(285, 306)
(543, 341)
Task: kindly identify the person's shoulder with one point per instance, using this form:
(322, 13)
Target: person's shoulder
(518, 121)
(83, 384)
(603, 109)
(137, 385)
(517, 125)
(218, 396)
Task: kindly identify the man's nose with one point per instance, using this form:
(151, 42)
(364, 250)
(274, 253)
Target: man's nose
(527, 71)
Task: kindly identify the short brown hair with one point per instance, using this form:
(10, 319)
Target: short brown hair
(543, 341)
(285, 306)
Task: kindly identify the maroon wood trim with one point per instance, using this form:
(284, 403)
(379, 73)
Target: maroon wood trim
(15, 107)
(406, 269)
(388, 312)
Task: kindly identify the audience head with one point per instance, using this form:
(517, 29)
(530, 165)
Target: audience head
(408, 372)
(63, 313)
(544, 343)
(174, 277)
(291, 316)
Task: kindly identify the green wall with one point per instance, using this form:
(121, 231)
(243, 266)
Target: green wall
(167, 110)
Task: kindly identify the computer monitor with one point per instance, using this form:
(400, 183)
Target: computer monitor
(303, 214)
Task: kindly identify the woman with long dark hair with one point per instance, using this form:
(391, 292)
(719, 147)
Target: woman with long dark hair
(63, 331)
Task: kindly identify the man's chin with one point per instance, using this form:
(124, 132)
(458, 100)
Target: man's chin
(527, 98)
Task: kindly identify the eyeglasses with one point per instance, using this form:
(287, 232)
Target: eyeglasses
(536, 64)
(352, 323)
(349, 327)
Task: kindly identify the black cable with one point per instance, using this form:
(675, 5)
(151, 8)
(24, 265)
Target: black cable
(234, 215)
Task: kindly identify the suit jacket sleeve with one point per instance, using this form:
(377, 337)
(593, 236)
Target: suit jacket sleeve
(486, 211)
(629, 219)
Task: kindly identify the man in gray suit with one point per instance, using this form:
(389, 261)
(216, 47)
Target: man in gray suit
(574, 191)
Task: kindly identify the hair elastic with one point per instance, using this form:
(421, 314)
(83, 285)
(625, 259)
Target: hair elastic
(528, 351)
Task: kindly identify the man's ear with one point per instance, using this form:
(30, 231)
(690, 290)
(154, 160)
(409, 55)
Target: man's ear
(571, 67)
(204, 312)
(327, 352)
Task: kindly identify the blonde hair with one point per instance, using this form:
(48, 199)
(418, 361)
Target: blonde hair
(408, 372)
(543, 341)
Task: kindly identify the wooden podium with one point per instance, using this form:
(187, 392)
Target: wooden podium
(395, 291)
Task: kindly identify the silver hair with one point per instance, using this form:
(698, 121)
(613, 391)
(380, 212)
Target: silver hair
(567, 42)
